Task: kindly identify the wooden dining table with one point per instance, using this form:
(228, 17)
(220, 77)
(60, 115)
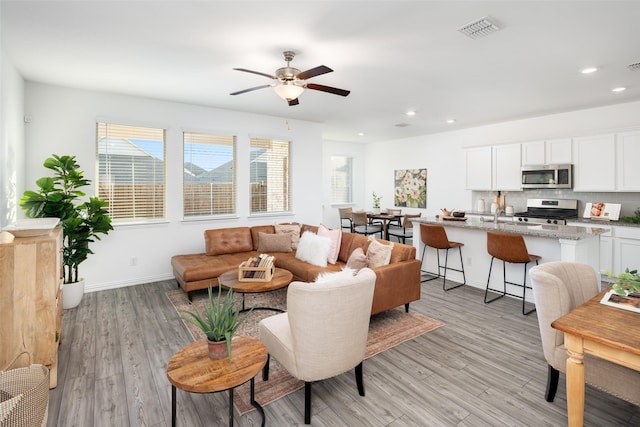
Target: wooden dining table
(385, 218)
(606, 332)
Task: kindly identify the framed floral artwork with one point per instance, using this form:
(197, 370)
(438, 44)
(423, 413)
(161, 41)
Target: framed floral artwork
(410, 188)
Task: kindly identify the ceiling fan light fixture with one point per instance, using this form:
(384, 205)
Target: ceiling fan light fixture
(288, 90)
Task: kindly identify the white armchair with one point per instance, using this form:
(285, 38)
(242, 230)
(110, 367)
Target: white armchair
(559, 287)
(324, 331)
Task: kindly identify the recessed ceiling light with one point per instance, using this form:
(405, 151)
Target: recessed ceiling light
(411, 113)
(618, 89)
(451, 120)
(360, 133)
(588, 70)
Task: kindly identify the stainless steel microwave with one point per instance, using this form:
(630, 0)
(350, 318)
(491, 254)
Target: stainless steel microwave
(547, 176)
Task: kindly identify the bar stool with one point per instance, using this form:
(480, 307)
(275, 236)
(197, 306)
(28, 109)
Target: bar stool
(511, 248)
(435, 236)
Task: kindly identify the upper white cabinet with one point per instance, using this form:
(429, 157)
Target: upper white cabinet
(627, 155)
(550, 152)
(594, 163)
(478, 167)
(493, 168)
(507, 171)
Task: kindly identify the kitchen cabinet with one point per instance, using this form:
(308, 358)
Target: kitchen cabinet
(594, 163)
(31, 300)
(626, 249)
(478, 163)
(627, 155)
(549, 152)
(606, 246)
(507, 172)
(493, 168)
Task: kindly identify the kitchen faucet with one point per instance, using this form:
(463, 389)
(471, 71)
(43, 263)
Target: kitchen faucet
(496, 215)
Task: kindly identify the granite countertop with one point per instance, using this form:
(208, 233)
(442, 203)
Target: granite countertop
(580, 220)
(538, 230)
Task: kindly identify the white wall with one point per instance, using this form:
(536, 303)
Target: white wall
(63, 122)
(442, 154)
(12, 178)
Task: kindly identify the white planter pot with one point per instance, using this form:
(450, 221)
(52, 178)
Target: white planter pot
(72, 294)
(376, 210)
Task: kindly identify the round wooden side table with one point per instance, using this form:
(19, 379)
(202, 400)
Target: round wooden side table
(281, 278)
(191, 369)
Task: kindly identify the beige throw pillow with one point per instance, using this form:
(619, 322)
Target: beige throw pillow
(377, 253)
(336, 239)
(269, 242)
(293, 230)
(357, 260)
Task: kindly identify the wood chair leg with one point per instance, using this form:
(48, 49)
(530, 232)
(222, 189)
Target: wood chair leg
(359, 379)
(307, 402)
(552, 384)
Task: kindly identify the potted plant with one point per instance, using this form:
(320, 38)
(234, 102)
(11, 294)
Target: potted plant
(376, 202)
(219, 322)
(626, 283)
(82, 222)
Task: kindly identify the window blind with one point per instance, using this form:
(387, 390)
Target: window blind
(269, 175)
(131, 171)
(209, 184)
(341, 179)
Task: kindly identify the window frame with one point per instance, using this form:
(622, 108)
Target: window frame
(349, 186)
(285, 196)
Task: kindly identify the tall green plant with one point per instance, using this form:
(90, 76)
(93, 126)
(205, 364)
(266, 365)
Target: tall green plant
(220, 320)
(59, 197)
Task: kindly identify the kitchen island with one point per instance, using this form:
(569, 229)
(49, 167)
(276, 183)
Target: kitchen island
(551, 242)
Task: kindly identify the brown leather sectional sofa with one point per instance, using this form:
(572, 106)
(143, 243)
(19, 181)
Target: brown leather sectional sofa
(397, 283)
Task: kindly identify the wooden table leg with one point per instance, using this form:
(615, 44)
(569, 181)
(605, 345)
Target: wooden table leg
(173, 405)
(575, 380)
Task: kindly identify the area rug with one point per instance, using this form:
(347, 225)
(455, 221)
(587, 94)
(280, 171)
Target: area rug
(386, 330)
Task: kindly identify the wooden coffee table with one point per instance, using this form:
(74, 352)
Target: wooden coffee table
(191, 369)
(281, 278)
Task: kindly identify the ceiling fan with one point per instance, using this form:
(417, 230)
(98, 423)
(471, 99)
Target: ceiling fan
(289, 82)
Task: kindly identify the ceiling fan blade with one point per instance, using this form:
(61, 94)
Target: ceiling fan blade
(255, 72)
(249, 90)
(293, 102)
(333, 90)
(322, 69)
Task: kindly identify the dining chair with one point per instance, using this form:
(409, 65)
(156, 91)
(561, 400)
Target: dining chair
(361, 225)
(405, 231)
(558, 288)
(346, 215)
(324, 331)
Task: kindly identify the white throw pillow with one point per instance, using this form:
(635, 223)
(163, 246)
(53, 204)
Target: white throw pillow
(336, 239)
(313, 249)
(331, 276)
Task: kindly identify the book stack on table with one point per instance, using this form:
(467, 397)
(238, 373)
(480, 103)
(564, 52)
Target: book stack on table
(257, 269)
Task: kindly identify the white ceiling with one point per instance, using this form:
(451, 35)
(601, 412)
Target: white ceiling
(394, 56)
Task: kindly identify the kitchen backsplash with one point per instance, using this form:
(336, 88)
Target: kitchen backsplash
(518, 199)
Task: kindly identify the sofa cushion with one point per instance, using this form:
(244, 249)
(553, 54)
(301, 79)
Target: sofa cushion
(378, 254)
(268, 242)
(336, 239)
(357, 260)
(293, 230)
(228, 240)
(256, 229)
(195, 267)
(313, 249)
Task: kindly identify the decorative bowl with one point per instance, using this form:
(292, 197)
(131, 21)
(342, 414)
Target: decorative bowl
(458, 214)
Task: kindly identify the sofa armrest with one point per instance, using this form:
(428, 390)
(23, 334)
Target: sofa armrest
(396, 284)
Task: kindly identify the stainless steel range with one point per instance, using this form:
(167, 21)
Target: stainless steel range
(548, 211)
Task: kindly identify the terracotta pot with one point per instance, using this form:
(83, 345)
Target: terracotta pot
(217, 349)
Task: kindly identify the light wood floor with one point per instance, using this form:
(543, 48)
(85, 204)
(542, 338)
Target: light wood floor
(484, 368)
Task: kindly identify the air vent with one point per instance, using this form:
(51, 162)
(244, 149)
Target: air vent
(480, 28)
(634, 67)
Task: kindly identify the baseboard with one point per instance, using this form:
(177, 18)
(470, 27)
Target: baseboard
(95, 287)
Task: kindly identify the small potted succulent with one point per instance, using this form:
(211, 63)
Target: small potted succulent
(219, 321)
(376, 202)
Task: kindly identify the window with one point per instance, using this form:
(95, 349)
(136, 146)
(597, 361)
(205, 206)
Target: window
(341, 175)
(131, 173)
(269, 176)
(209, 185)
